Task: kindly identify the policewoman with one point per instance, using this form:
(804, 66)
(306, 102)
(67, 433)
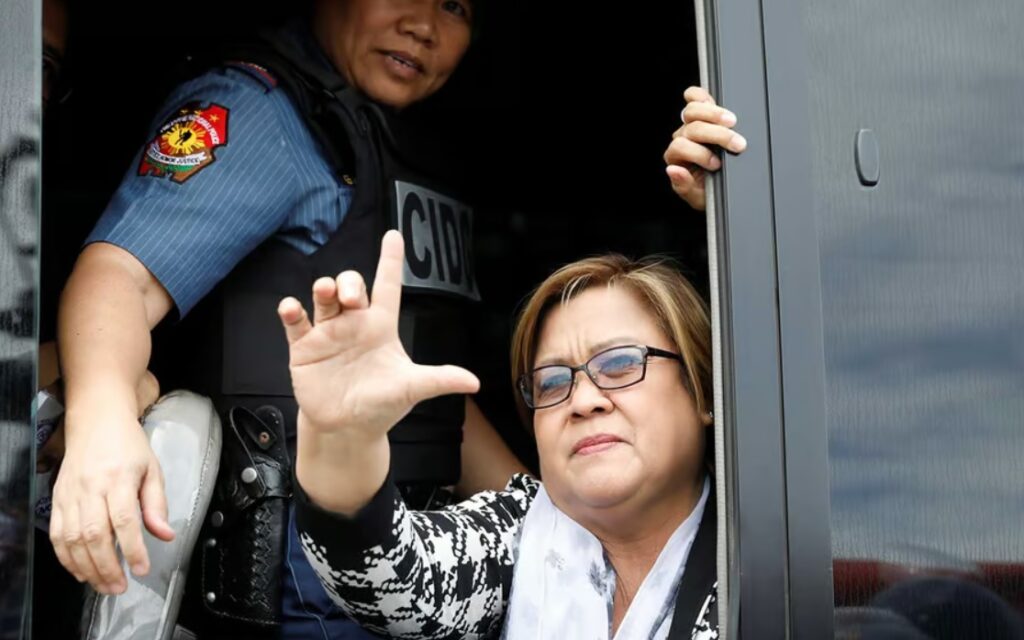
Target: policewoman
(287, 161)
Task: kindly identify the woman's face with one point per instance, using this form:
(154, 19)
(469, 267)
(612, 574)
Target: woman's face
(395, 51)
(610, 454)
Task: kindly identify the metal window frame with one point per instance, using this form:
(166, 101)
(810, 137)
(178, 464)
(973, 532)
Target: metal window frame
(811, 599)
(748, 377)
(767, 297)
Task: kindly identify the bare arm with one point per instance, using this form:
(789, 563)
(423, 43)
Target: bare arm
(107, 309)
(109, 306)
(51, 454)
(487, 462)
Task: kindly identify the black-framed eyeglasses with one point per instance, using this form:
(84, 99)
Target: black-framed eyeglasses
(614, 368)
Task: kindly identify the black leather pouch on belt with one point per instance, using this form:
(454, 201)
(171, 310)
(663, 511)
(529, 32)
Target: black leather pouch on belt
(247, 523)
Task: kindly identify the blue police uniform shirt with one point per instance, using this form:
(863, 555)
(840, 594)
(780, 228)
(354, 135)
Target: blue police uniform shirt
(263, 175)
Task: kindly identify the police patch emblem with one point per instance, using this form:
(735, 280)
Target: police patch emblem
(184, 145)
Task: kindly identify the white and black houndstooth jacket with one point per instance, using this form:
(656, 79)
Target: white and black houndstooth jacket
(447, 574)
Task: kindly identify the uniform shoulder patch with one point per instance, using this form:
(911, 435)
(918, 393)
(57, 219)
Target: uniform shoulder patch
(185, 144)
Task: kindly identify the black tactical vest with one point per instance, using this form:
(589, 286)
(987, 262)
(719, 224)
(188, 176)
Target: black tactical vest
(239, 355)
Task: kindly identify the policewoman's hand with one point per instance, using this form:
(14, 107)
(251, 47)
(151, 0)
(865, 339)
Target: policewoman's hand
(50, 455)
(693, 150)
(108, 475)
(354, 381)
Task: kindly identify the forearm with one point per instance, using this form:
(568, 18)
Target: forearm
(147, 390)
(340, 471)
(104, 326)
(390, 569)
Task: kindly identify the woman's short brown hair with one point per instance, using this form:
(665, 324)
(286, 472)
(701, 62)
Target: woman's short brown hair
(678, 309)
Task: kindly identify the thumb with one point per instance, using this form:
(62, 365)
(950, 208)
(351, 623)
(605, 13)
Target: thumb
(153, 501)
(431, 381)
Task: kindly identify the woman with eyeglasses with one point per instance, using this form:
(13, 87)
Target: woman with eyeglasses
(612, 361)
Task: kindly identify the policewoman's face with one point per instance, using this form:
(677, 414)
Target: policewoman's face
(395, 51)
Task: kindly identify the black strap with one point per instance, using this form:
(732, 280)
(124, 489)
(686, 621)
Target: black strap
(700, 575)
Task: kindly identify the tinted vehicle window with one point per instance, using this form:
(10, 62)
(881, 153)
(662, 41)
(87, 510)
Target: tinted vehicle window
(923, 311)
(19, 170)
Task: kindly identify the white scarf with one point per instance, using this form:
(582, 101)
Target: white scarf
(563, 585)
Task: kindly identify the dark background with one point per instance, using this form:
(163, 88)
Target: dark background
(564, 113)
